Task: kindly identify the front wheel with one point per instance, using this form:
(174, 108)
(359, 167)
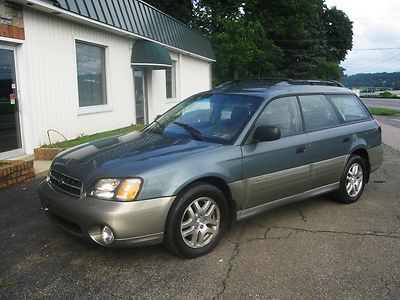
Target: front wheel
(196, 221)
(353, 180)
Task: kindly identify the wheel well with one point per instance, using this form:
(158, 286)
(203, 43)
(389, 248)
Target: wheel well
(223, 186)
(364, 154)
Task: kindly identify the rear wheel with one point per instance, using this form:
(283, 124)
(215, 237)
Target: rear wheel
(196, 221)
(353, 181)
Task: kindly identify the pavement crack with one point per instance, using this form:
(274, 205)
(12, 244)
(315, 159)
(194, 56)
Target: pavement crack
(393, 234)
(368, 233)
(235, 253)
(303, 217)
(387, 288)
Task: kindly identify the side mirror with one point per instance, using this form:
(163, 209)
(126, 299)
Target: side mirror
(267, 133)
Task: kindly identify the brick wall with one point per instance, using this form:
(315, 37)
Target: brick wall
(11, 20)
(15, 172)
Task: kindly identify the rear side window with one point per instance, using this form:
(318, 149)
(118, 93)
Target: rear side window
(317, 112)
(350, 108)
(283, 113)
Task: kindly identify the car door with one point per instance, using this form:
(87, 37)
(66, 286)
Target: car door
(277, 169)
(329, 142)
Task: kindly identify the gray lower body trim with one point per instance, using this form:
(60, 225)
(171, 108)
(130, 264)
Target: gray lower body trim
(247, 213)
(375, 156)
(150, 239)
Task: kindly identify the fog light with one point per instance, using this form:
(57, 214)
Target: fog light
(107, 236)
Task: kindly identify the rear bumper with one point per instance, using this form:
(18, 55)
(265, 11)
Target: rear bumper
(375, 156)
(133, 223)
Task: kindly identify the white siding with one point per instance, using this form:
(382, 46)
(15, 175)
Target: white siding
(192, 76)
(48, 82)
(48, 88)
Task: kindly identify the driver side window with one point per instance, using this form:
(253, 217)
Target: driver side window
(283, 113)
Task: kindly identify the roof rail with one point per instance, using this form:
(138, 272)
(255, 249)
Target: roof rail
(283, 80)
(315, 82)
(244, 80)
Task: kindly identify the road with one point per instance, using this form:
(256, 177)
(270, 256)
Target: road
(312, 249)
(389, 120)
(379, 102)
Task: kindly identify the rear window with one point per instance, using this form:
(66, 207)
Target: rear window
(350, 108)
(317, 112)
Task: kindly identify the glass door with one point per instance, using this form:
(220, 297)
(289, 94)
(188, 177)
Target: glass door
(140, 96)
(10, 138)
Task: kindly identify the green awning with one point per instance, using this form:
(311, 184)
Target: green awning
(148, 54)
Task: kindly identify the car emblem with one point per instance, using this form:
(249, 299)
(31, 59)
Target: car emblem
(60, 181)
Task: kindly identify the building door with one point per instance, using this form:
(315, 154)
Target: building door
(140, 96)
(10, 138)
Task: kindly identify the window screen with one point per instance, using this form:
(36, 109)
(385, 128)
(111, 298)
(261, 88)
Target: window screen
(283, 113)
(317, 112)
(350, 108)
(91, 74)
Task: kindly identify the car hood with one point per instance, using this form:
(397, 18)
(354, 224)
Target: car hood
(126, 155)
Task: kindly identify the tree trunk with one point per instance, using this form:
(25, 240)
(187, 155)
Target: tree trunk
(236, 75)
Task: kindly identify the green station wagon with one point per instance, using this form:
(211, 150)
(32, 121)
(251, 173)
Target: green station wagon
(216, 157)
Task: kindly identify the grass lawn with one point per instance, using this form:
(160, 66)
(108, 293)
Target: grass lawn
(2, 164)
(88, 138)
(380, 111)
(3, 286)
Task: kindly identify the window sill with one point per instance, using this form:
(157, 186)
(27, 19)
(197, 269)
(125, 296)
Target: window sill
(94, 109)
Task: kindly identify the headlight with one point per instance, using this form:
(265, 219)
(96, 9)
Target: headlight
(117, 189)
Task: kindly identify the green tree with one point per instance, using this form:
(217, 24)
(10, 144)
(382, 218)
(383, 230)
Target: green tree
(269, 38)
(339, 30)
(241, 46)
(179, 9)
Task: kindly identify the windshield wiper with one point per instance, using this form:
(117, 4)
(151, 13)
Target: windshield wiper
(193, 131)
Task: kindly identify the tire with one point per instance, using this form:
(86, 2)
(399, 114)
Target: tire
(196, 221)
(353, 181)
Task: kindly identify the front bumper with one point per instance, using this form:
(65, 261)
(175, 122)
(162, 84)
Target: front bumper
(133, 223)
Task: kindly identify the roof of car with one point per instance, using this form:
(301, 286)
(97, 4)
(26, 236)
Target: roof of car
(269, 88)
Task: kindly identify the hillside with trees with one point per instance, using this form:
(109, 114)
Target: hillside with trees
(269, 38)
(388, 80)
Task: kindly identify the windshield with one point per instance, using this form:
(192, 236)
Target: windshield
(214, 118)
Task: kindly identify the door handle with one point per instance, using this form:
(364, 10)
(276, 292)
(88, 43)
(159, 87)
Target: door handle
(301, 149)
(346, 139)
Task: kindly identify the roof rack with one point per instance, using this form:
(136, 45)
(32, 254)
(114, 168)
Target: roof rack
(244, 80)
(315, 82)
(283, 80)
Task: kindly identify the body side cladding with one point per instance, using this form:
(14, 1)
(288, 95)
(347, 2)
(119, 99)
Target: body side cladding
(247, 213)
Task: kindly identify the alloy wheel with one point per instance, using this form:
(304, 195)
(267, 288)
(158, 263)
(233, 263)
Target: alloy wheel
(354, 180)
(200, 222)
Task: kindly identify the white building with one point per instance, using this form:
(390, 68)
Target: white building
(81, 67)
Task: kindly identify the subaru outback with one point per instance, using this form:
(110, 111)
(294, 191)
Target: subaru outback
(215, 158)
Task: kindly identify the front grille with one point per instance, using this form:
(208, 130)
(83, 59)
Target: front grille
(66, 183)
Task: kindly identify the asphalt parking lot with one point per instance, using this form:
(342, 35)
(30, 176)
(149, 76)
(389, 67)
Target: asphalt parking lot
(313, 249)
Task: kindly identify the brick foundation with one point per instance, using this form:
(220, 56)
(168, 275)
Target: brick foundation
(15, 172)
(47, 153)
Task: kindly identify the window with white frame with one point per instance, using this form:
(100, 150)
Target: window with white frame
(170, 81)
(90, 61)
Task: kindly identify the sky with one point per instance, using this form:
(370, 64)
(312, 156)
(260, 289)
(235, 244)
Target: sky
(376, 25)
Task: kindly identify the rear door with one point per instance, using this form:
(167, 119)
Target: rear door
(329, 143)
(277, 169)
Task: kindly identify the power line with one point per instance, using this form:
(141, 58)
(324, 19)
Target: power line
(375, 49)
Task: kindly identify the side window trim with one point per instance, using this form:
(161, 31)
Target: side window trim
(303, 126)
(337, 112)
(329, 105)
(342, 120)
(265, 107)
